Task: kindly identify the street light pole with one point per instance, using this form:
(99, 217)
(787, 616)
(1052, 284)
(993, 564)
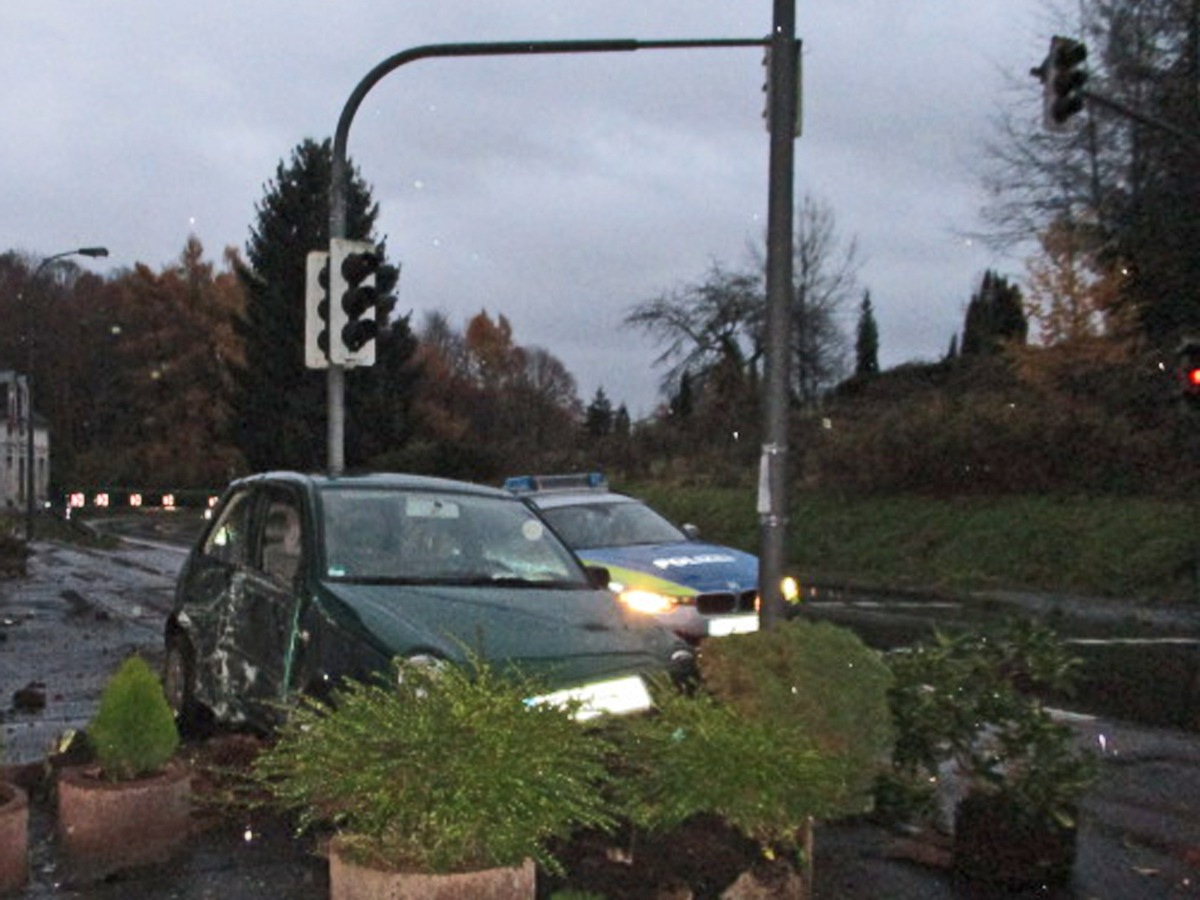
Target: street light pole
(30, 468)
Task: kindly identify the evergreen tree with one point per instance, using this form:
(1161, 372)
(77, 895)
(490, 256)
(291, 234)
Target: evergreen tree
(280, 404)
(621, 424)
(866, 345)
(682, 402)
(995, 316)
(598, 420)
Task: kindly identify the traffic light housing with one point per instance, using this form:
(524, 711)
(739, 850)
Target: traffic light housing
(1188, 370)
(1063, 79)
(316, 310)
(768, 88)
(358, 302)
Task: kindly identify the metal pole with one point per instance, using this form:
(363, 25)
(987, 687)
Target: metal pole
(30, 467)
(335, 376)
(30, 483)
(772, 494)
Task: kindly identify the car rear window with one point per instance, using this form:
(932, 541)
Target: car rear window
(622, 524)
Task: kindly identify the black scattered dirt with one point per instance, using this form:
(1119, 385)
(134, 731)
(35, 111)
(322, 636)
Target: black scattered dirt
(704, 855)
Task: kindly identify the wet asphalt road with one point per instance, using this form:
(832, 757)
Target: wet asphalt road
(64, 628)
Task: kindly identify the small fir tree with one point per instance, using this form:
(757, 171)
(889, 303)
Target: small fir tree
(866, 345)
(134, 731)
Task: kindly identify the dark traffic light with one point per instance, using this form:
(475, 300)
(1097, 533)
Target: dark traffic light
(359, 304)
(316, 310)
(1063, 80)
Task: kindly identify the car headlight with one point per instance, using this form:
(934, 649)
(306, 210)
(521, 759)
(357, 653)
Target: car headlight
(648, 602)
(790, 589)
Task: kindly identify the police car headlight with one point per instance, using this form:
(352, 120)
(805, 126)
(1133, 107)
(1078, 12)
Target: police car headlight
(790, 588)
(648, 602)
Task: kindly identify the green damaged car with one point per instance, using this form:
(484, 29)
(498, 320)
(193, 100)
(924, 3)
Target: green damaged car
(300, 581)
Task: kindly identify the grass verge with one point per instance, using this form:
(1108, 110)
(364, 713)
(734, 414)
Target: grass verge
(1142, 549)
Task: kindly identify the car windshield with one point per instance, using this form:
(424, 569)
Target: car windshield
(432, 537)
(620, 524)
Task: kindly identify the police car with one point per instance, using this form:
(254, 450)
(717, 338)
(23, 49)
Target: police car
(696, 589)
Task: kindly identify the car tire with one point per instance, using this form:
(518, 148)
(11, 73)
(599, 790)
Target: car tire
(179, 685)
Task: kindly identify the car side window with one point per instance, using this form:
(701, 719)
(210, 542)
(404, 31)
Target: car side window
(229, 540)
(282, 539)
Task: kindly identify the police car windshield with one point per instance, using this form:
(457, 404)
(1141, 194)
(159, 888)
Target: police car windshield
(623, 524)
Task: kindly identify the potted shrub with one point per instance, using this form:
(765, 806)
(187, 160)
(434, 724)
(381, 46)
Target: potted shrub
(437, 779)
(14, 837)
(787, 725)
(14, 833)
(969, 708)
(130, 806)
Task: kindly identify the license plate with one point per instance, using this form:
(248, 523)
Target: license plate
(732, 625)
(616, 696)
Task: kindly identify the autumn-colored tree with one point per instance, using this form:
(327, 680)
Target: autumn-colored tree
(51, 324)
(1069, 296)
(162, 375)
(486, 404)
(1087, 339)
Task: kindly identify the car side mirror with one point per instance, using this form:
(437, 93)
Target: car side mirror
(692, 531)
(598, 576)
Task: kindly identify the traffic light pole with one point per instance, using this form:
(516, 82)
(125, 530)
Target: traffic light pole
(338, 188)
(772, 482)
(1151, 121)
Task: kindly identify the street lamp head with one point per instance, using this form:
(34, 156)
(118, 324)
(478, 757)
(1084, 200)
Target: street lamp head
(92, 251)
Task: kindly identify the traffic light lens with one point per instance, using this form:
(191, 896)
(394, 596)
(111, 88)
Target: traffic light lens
(357, 335)
(358, 266)
(1192, 376)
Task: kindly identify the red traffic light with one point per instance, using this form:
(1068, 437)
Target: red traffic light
(1187, 368)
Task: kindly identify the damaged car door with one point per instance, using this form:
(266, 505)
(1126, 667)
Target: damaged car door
(241, 599)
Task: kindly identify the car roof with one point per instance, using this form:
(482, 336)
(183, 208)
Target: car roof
(376, 480)
(577, 489)
(552, 499)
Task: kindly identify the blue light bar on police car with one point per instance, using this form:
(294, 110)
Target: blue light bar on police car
(525, 484)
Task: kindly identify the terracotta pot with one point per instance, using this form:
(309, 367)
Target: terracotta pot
(105, 826)
(996, 842)
(14, 838)
(348, 881)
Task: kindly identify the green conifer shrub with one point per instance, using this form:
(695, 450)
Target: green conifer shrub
(134, 732)
(788, 724)
(440, 769)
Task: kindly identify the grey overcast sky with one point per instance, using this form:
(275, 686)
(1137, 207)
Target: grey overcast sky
(558, 191)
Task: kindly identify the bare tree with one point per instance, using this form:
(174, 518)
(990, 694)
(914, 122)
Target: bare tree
(1126, 189)
(717, 324)
(826, 279)
(704, 325)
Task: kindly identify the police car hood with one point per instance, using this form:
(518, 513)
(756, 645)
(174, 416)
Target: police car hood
(701, 567)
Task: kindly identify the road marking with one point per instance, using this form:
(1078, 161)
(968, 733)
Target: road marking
(1136, 642)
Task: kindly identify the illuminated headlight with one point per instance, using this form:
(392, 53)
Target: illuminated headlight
(790, 589)
(648, 602)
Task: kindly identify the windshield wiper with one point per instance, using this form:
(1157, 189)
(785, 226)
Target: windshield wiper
(516, 581)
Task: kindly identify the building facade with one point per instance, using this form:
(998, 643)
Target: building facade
(15, 415)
